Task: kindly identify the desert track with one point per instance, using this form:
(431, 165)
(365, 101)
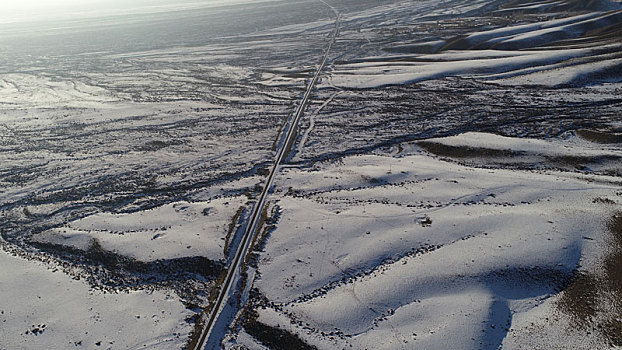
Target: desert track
(234, 270)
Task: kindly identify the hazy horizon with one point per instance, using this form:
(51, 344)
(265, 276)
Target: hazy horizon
(33, 11)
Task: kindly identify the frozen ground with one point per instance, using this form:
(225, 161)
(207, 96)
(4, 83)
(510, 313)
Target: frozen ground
(452, 184)
(406, 250)
(47, 309)
(171, 231)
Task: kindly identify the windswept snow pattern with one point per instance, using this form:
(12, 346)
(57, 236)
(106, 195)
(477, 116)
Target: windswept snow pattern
(525, 49)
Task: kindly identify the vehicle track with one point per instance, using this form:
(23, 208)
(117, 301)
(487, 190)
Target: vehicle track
(234, 271)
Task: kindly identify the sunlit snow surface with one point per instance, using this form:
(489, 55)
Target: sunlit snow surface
(133, 140)
(499, 245)
(45, 309)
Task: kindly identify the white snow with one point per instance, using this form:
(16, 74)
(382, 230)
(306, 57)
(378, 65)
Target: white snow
(534, 28)
(171, 231)
(74, 314)
(565, 75)
(498, 240)
(470, 63)
(25, 91)
(550, 147)
(518, 55)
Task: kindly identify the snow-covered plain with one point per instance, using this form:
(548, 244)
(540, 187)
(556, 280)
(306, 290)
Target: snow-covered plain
(439, 193)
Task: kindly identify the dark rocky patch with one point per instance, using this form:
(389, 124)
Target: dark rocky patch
(272, 337)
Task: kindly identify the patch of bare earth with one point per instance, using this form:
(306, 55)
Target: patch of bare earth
(442, 150)
(600, 136)
(580, 298)
(272, 337)
(596, 300)
(613, 272)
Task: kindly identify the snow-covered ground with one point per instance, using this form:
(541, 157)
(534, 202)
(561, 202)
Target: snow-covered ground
(172, 231)
(43, 308)
(411, 251)
(545, 53)
(453, 174)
